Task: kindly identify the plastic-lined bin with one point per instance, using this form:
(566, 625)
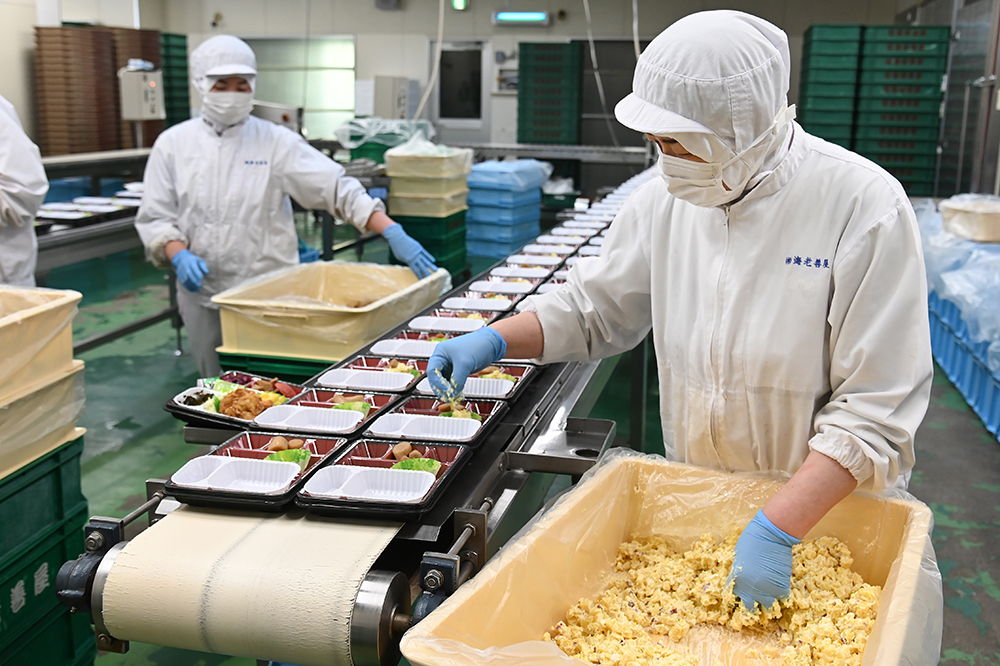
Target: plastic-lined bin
(427, 187)
(489, 383)
(482, 197)
(373, 373)
(427, 206)
(972, 216)
(322, 310)
(36, 336)
(237, 473)
(501, 215)
(362, 481)
(422, 419)
(419, 158)
(499, 617)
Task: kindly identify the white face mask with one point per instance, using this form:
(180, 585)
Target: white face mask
(724, 179)
(227, 108)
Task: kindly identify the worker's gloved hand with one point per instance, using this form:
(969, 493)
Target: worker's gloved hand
(191, 269)
(454, 360)
(762, 567)
(410, 251)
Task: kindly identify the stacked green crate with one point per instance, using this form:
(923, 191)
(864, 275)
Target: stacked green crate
(899, 101)
(829, 81)
(548, 95)
(176, 93)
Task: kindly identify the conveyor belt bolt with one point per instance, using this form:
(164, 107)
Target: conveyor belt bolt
(94, 541)
(433, 580)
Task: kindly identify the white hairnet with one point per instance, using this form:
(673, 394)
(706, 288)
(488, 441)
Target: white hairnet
(724, 72)
(220, 57)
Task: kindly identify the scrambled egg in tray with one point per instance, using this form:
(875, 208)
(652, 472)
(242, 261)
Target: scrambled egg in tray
(656, 596)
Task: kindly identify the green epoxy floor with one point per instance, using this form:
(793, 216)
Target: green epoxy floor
(130, 438)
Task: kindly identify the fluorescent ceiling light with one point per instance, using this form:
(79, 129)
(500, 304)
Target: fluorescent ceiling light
(521, 18)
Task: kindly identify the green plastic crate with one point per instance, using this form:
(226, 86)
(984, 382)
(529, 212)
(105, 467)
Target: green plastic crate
(28, 582)
(904, 63)
(899, 118)
(827, 117)
(901, 147)
(896, 132)
(829, 62)
(548, 87)
(425, 227)
(549, 108)
(910, 160)
(172, 61)
(829, 90)
(38, 498)
(454, 262)
(812, 103)
(560, 201)
(911, 174)
(829, 76)
(845, 33)
(919, 189)
(444, 244)
(173, 38)
(560, 135)
(829, 132)
(174, 50)
(371, 150)
(900, 91)
(295, 370)
(547, 53)
(59, 639)
(900, 33)
(904, 104)
(933, 49)
(825, 48)
(902, 77)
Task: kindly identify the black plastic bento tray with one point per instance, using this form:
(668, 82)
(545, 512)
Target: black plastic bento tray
(231, 499)
(195, 416)
(383, 402)
(330, 506)
(370, 360)
(497, 408)
(528, 373)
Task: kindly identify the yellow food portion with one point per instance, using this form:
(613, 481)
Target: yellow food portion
(655, 596)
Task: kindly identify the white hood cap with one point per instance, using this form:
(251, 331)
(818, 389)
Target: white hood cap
(721, 72)
(220, 57)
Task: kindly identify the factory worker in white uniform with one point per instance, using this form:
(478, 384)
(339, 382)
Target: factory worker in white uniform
(216, 203)
(781, 277)
(23, 186)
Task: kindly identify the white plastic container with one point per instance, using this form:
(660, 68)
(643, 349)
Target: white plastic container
(365, 380)
(572, 261)
(422, 426)
(590, 251)
(475, 387)
(491, 304)
(502, 287)
(446, 324)
(547, 287)
(409, 348)
(533, 260)
(236, 474)
(599, 241)
(565, 230)
(536, 248)
(569, 239)
(523, 273)
(584, 224)
(197, 470)
(312, 419)
(370, 483)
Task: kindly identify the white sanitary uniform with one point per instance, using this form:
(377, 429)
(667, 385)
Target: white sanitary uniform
(22, 189)
(793, 319)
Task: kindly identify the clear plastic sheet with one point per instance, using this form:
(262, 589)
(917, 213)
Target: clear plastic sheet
(387, 132)
(322, 310)
(511, 175)
(498, 618)
(35, 335)
(419, 158)
(972, 216)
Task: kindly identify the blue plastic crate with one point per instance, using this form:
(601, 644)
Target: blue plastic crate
(515, 176)
(67, 189)
(951, 316)
(504, 233)
(498, 215)
(970, 376)
(503, 198)
(493, 249)
(111, 185)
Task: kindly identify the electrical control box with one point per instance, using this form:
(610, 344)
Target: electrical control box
(142, 95)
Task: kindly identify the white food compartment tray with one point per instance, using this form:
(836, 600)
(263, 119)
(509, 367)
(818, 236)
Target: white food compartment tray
(310, 419)
(446, 324)
(370, 483)
(491, 304)
(502, 287)
(236, 474)
(421, 426)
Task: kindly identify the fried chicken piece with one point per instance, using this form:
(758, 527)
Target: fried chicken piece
(242, 404)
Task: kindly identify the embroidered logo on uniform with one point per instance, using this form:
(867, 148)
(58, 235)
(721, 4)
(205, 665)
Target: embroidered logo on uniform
(808, 262)
(255, 162)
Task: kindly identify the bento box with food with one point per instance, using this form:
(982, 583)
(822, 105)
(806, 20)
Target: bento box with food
(383, 478)
(505, 286)
(232, 399)
(580, 232)
(520, 272)
(567, 239)
(533, 261)
(496, 382)
(579, 223)
(641, 537)
(374, 373)
(429, 419)
(482, 300)
(253, 470)
(548, 250)
(452, 321)
(410, 344)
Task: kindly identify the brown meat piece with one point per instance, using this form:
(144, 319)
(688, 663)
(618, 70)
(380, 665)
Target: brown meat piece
(242, 404)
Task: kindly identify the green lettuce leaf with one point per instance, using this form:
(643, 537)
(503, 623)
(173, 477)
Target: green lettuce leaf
(362, 407)
(300, 456)
(419, 464)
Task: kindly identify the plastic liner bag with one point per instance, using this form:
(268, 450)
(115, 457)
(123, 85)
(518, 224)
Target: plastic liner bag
(512, 175)
(975, 288)
(558, 186)
(419, 158)
(388, 132)
(499, 616)
(972, 216)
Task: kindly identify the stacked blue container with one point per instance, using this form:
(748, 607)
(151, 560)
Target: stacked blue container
(504, 206)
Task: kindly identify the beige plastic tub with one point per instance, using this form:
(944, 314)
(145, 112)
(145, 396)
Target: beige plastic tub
(36, 336)
(429, 206)
(322, 310)
(427, 187)
(498, 618)
(972, 216)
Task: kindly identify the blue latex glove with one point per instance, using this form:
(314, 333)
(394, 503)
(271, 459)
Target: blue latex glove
(454, 360)
(306, 254)
(762, 567)
(191, 269)
(410, 251)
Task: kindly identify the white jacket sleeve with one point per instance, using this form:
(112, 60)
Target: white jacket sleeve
(316, 181)
(157, 219)
(22, 177)
(880, 358)
(604, 307)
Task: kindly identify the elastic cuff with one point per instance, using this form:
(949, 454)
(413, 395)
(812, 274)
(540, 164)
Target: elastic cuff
(839, 445)
(157, 250)
(500, 345)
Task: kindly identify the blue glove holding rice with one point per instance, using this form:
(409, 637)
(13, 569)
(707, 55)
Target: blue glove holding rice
(762, 566)
(454, 360)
